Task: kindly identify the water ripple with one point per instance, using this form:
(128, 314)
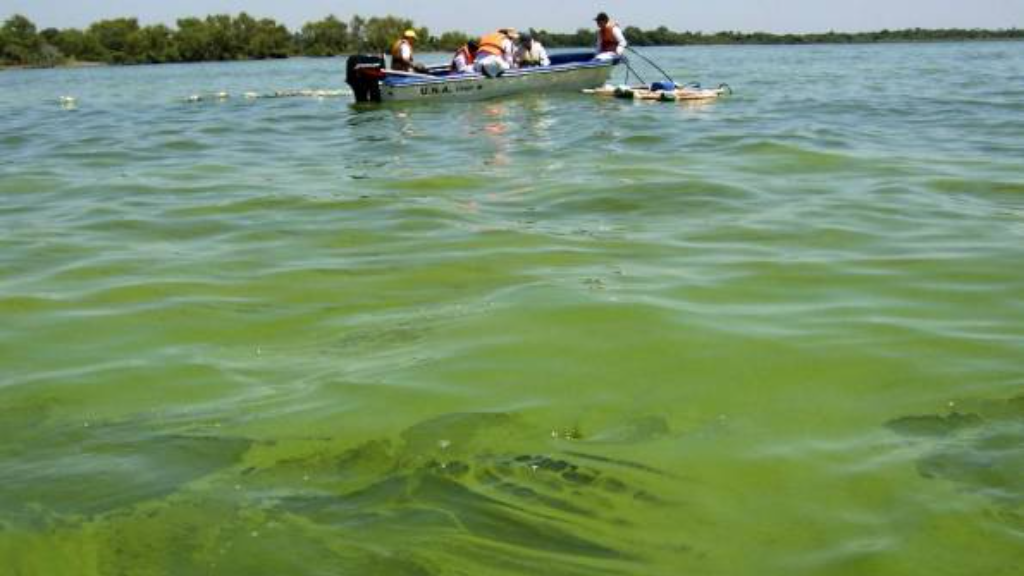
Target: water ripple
(549, 334)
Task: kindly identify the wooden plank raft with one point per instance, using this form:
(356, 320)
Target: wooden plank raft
(682, 94)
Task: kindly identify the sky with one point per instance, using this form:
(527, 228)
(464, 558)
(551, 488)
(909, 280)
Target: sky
(559, 15)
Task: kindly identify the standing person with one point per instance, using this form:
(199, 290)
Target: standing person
(496, 53)
(464, 58)
(531, 52)
(611, 42)
(402, 53)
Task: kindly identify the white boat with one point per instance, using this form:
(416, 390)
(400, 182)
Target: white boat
(568, 72)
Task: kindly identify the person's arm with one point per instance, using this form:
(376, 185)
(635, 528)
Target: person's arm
(544, 60)
(597, 45)
(621, 38)
(416, 66)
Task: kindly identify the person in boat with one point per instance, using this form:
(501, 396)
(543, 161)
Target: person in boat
(465, 57)
(611, 42)
(531, 52)
(496, 53)
(402, 54)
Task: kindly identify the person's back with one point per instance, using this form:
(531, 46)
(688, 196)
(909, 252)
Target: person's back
(531, 53)
(496, 53)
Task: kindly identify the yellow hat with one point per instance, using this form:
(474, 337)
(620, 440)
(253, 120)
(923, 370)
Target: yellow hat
(410, 33)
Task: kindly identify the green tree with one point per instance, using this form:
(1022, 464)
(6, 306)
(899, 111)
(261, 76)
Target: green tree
(268, 40)
(451, 41)
(357, 33)
(119, 39)
(192, 40)
(381, 33)
(222, 37)
(157, 45)
(49, 35)
(243, 31)
(48, 53)
(70, 42)
(636, 36)
(328, 37)
(21, 43)
(3, 45)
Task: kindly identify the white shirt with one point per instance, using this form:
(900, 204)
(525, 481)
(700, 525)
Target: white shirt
(535, 55)
(619, 37)
(461, 66)
(509, 49)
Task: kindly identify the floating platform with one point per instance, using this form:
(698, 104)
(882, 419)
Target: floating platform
(674, 94)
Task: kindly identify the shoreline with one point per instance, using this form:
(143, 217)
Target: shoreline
(87, 64)
(61, 66)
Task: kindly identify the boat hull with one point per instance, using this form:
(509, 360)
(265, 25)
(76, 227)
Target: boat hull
(468, 87)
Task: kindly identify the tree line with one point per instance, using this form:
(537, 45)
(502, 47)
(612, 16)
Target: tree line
(242, 37)
(662, 36)
(214, 38)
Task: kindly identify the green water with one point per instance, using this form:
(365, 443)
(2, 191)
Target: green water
(778, 334)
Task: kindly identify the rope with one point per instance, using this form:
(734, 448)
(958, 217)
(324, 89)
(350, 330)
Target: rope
(629, 68)
(651, 62)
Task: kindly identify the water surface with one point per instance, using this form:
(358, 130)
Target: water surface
(782, 333)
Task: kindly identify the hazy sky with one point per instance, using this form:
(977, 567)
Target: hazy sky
(561, 15)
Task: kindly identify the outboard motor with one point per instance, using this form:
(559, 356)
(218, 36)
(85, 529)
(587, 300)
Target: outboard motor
(364, 73)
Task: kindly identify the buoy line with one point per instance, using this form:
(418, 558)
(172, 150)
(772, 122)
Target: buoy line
(222, 96)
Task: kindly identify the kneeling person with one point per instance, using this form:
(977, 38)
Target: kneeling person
(496, 53)
(531, 52)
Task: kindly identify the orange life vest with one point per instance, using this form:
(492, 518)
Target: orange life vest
(608, 41)
(493, 43)
(398, 62)
(466, 54)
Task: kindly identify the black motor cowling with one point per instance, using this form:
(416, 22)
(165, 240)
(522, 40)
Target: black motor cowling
(364, 73)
